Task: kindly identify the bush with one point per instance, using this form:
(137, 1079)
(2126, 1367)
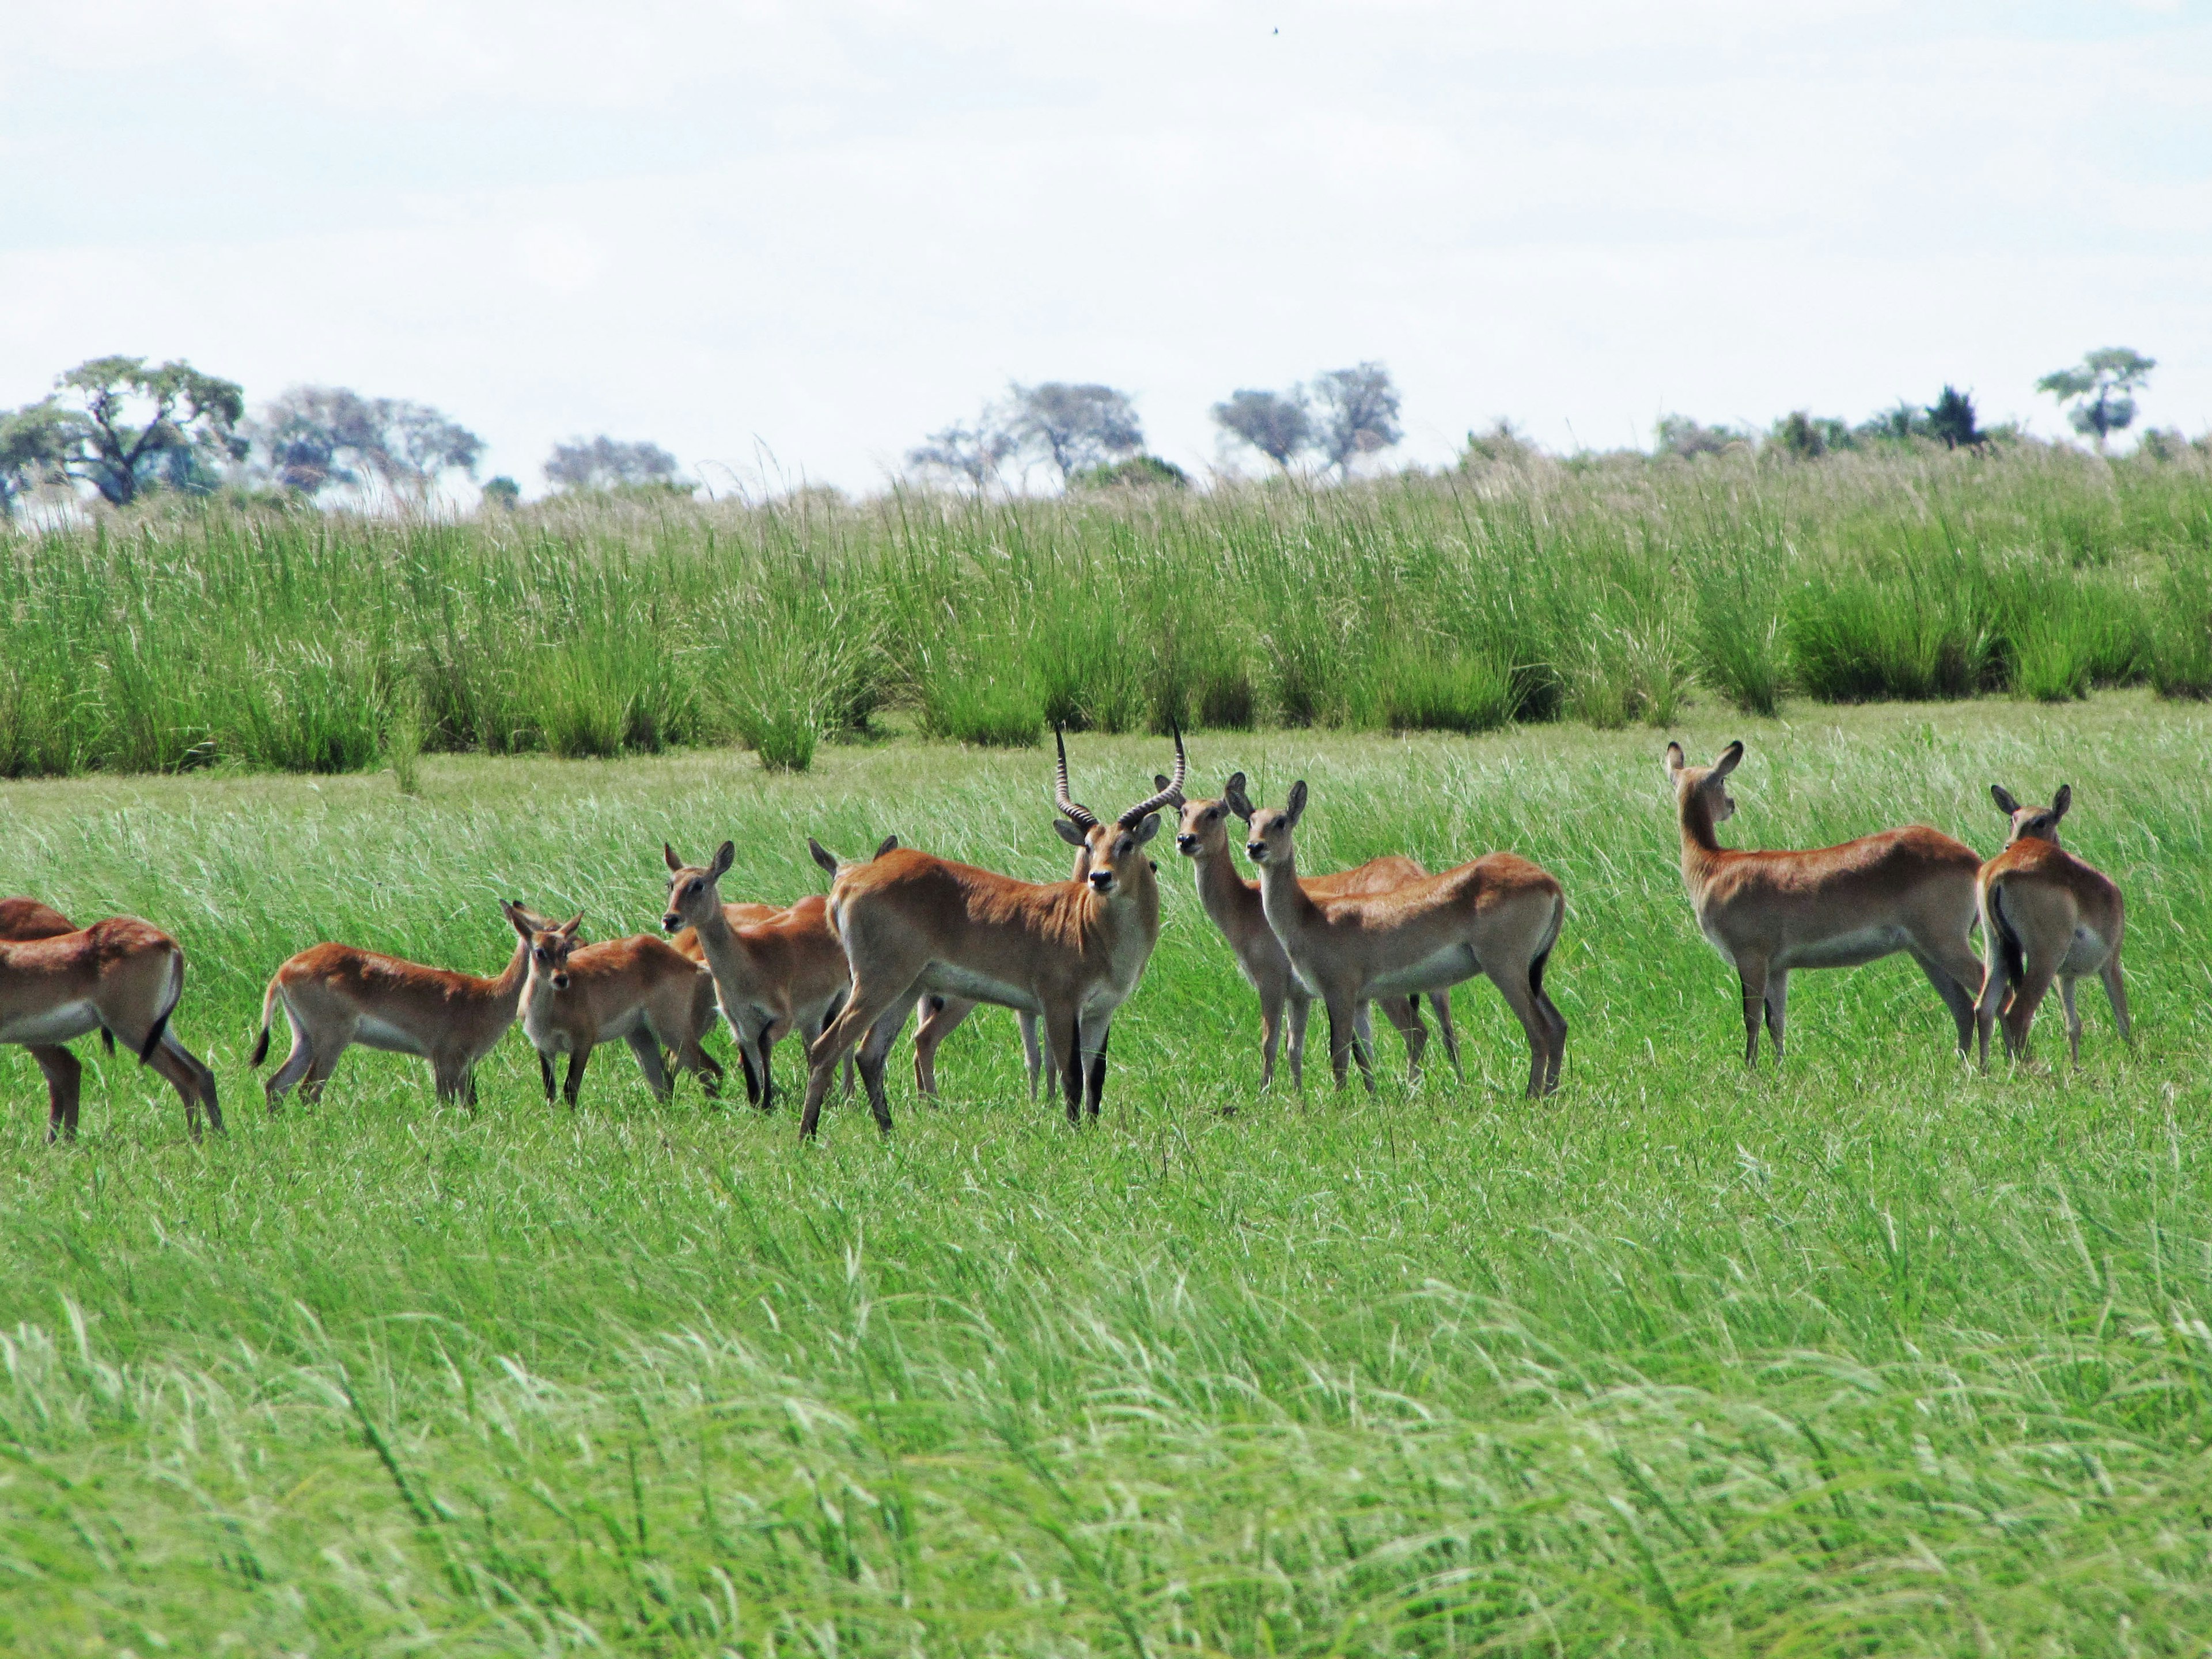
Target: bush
(1138, 473)
(996, 711)
(2181, 644)
(1858, 637)
(1423, 687)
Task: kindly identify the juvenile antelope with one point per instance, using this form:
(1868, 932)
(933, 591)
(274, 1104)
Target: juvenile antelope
(123, 976)
(786, 973)
(639, 989)
(22, 919)
(2045, 914)
(1235, 906)
(335, 996)
(1499, 916)
(1910, 890)
(1070, 953)
(741, 914)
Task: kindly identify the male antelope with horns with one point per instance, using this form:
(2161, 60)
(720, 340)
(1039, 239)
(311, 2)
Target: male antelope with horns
(1910, 890)
(1499, 916)
(1069, 951)
(2045, 915)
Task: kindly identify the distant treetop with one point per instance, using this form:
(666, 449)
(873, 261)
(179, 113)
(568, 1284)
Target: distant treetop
(605, 463)
(2098, 387)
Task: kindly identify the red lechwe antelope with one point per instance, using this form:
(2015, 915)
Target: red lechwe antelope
(641, 989)
(335, 996)
(741, 914)
(1234, 904)
(1910, 890)
(786, 973)
(122, 976)
(1499, 916)
(22, 919)
(1069, 951)
(2045, 914)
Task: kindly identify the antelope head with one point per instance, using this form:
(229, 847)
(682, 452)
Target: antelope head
(1267, 835)
(550, 944)
(1204, 827)
(2033, 823)
(1115, 848)
(1705, 784)
(694, 893)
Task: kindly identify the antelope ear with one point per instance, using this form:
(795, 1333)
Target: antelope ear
(2061, 800)
(1675, 761)
(1295, 807)
(1147, 828)
(724, 856)
(512, 908)
(890, 845)
(823, 855)
(1232, 793)
(669, 853)
(568, 929)
(2002, 797)
(1731, 758)
(1160, 780)
(1068, 833)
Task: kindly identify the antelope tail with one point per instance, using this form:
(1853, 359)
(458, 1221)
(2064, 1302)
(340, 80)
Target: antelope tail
(268, 1007)
(161, 1020)
(1543, 956)
(2012, 955)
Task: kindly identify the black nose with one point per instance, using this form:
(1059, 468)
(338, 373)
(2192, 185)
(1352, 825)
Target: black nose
(560, 981)
(1101, 879)
(1184, 843)
(671, 921)
(1253, 849)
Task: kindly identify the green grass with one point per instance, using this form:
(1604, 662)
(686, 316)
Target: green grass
(1605, 591)
(1868, 1356)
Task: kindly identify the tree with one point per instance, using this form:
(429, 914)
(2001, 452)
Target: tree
(1900, 423)
(1358, 413)
(1951, 417)
(1075, 427)
(124, 426)
(1278, 424)
(2097, 387)
(1678, 435)
(973, 453)
(316, 437)
(1138, 473)
(34, 442)
(502, 492)
(605, 463)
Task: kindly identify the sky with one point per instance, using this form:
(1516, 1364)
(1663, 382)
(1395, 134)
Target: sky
(787, 240)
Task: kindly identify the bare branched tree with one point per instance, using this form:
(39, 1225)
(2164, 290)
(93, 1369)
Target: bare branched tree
(973, 453)
(1278, 424)
(1358, 413)
(317, 437)
(1075, 427)
(605, 463)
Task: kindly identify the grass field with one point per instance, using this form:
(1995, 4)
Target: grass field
(1870, 1356)
(1601, 593)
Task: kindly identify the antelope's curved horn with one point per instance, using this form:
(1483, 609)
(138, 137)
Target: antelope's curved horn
(1081, 816)
(1170, 796)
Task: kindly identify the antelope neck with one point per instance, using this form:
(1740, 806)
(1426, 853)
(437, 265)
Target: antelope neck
(1700, 843)
(508, 988)
(1226, 896)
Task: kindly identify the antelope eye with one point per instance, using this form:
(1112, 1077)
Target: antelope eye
(693, 888)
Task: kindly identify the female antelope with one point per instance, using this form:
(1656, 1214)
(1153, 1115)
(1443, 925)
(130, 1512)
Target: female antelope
(639, 989)
(122, 976)
(1499, 916)
(2045, 914)
(335, 996)
(1235, 906)
(24, 919)
(1910, 890)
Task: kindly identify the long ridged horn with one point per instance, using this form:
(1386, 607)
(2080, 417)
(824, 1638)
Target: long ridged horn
(1170, 796)
(1081, 816)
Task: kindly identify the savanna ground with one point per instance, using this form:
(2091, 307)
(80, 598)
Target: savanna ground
(1874, 1354)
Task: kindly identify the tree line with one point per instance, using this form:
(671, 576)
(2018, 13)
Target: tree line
(117, 427)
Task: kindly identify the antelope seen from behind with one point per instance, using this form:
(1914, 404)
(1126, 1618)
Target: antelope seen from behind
(641, 990)
(2045, 915)
(1070, 953)
(1235, 906)
(122, 976)
(1910, 890)
(24, 919)
(1499, 916)
(334, 996)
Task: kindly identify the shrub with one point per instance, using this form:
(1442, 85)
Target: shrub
(1856, 637)
(1138, 473)
(1424, 687)
(975, 705)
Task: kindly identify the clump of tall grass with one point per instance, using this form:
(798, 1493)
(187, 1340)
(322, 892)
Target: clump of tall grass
(1907, 632)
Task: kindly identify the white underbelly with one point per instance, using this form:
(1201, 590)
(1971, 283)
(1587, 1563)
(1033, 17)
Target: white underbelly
(55, 1024)
(1850, 950)
(1440, 967)
(545, 1036)
(2086, 952)
(949, 979)
(376, 1034)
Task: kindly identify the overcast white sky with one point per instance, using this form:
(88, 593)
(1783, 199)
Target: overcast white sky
(797, 237)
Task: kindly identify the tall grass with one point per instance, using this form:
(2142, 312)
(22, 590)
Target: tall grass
(1606, 594)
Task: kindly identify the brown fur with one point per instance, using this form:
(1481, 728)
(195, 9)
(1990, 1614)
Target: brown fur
(22, 919)
(1910, 890)
(122, 976)
(2045, 915)
(1499, 916)
(335, 996)
(639, 989)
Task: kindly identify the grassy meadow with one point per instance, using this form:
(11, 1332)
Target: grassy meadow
(1871, 1355)
(1601, 593)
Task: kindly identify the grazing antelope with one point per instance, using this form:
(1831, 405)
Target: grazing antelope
(1069, 951)
(121, 976)
(23, 919)
(639, 989)
(1910, 890)
(785, 973)
(1499, 916)
(1234, 904)
(335, 996)
(2045, 914)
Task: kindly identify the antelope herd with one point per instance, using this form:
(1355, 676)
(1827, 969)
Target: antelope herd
(902, 931)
